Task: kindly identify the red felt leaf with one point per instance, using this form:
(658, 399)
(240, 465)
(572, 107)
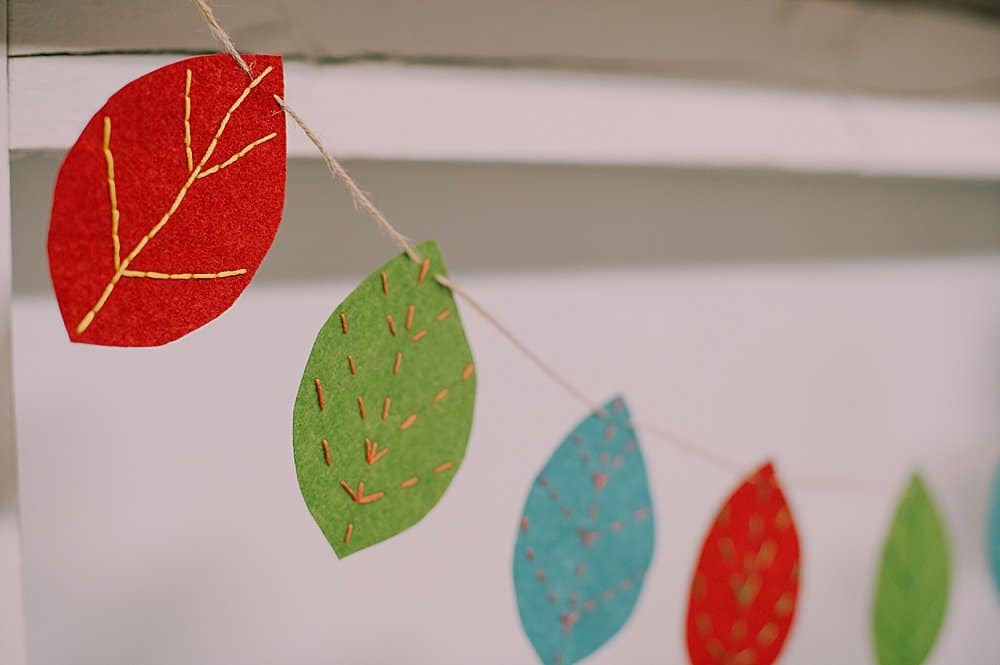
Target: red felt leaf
(745, 587)
(168, 202)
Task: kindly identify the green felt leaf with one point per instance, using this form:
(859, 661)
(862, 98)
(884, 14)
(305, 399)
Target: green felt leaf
(390, 388)
(911, 594)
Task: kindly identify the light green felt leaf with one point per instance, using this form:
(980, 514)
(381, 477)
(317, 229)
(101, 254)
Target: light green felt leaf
(911, 594)
(398, 387)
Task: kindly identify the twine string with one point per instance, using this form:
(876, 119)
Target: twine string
(358, 195)
(363, 201)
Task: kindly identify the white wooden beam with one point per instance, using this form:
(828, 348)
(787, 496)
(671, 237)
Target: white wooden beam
(841, 45)
(512, 115)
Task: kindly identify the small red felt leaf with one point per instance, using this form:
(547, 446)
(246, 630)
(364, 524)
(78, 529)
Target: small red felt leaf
(745, 587)
(167, 203)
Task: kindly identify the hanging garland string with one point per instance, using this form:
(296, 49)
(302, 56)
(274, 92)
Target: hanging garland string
(362, 201)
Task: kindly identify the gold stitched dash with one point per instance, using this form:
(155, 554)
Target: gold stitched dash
(399, 359)
(385, 283)
(350, 530)
(699, 587)
(442, 467)
(765, 555)
(319, 393)
(237, 157)
(738, 630)
(409, 482)
(423, 270)
(443, 315)
(326, 451)
(409, 317)
(727, 549)
(187, 121)
(767, 634)
(361, 406)
(392, 324)
(784, 605)
(410, 419)
(419, 336)
(385, 407)
(783, 519)
(469, 369)
(350, 363)
(152, 274)
(109, 159)
(343, 323)
(441, 395)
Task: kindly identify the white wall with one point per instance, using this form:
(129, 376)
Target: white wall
(163, 522)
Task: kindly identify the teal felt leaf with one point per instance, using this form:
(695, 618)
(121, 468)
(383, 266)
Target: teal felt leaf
(585, 539)
(993, 530)
(911, 594)
(384, 408)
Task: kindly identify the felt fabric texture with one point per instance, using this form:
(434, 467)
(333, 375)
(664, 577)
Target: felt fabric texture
(585, 539)
(384, 410)
(745, 587)
(911, 593)
(993, 530)
(131, 170)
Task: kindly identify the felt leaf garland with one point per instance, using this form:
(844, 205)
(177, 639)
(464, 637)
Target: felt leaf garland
(745, 586)
(993, 530)
(168, 201)
(911, 593)
(585, 539)
(384, 409)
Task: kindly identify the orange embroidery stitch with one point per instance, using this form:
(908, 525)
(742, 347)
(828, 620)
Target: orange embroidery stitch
(326, 451)
(359, 496)
(372, 453)
(392, 324)
(410, 419)
(419, 336)
(361, 406)
(423, 270)
(319, 394)
(385, 283)
(385, 407)
(350, 530)
(343, 323)
(409, 317)
(409, 482)
(350, 363)
(399, 359)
